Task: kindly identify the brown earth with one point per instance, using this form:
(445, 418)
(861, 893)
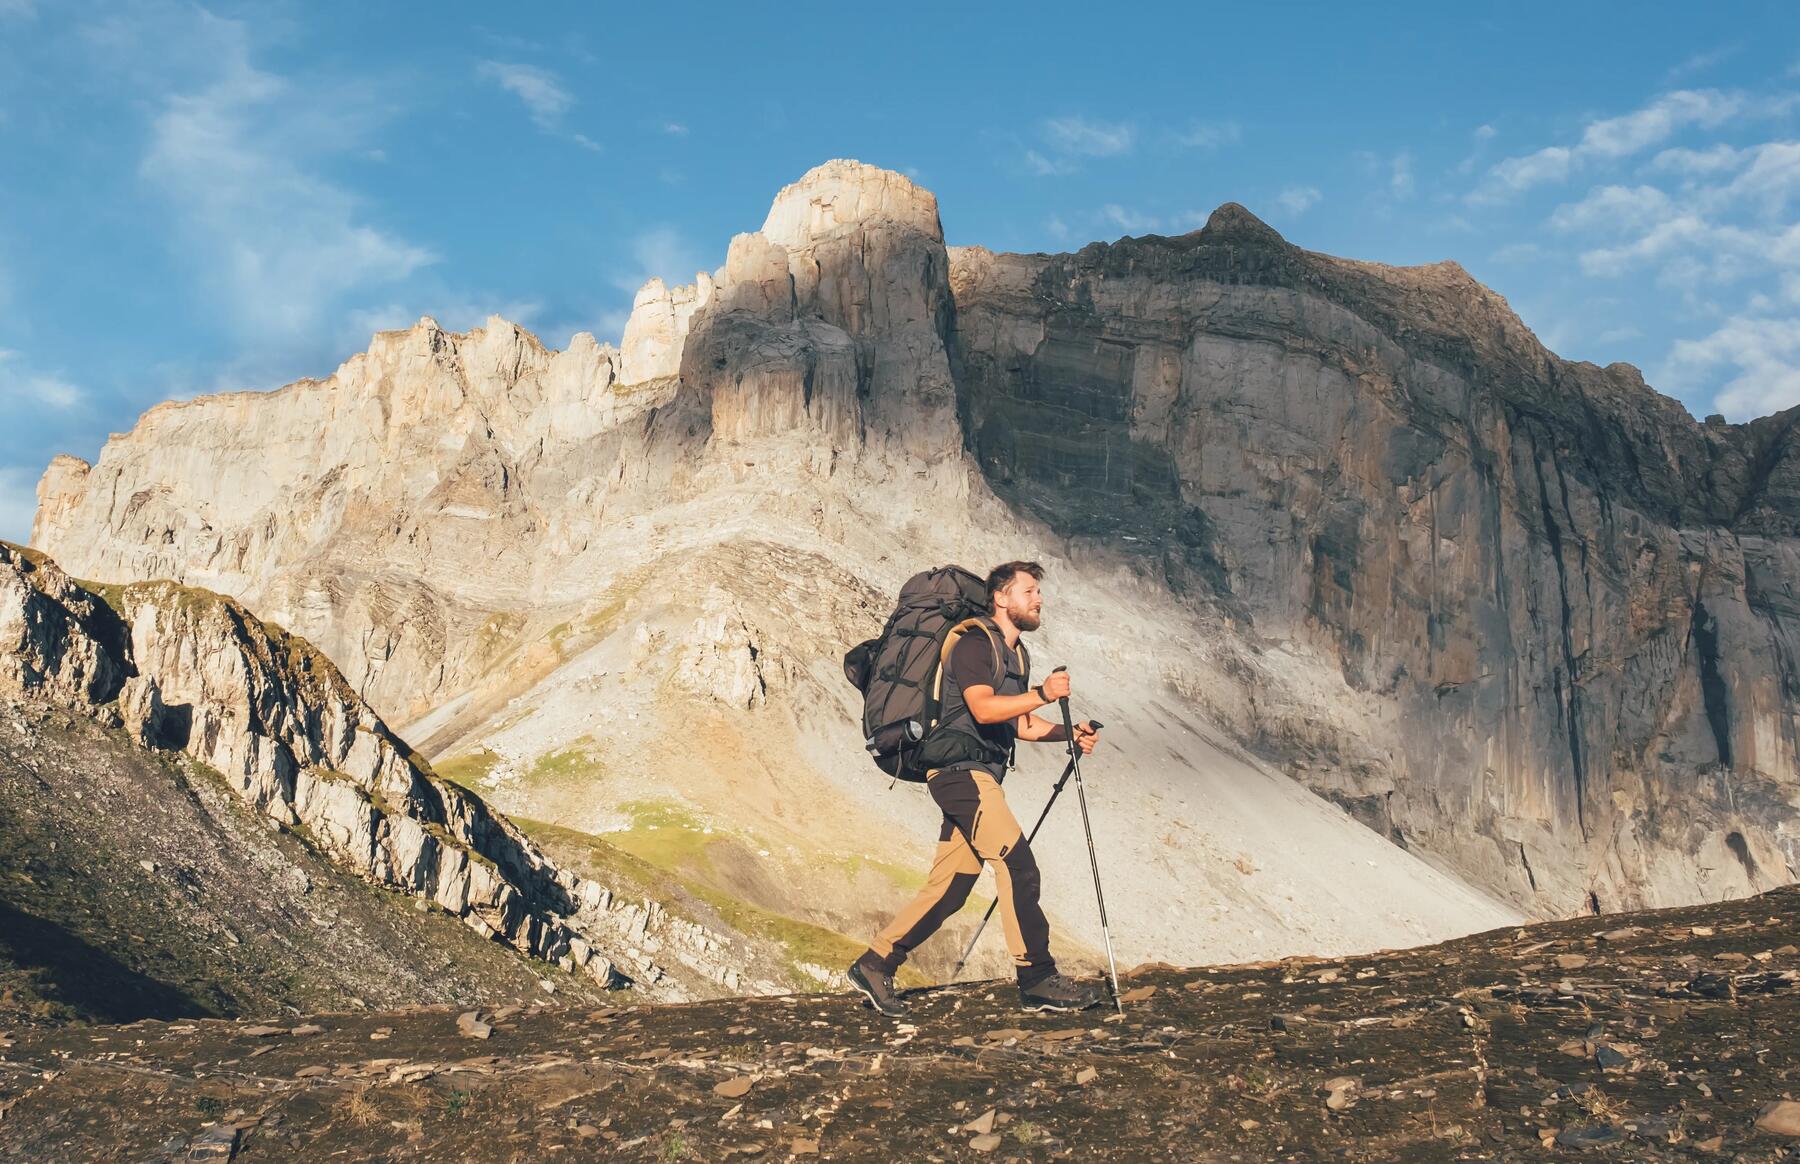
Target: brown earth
(1653, 1036)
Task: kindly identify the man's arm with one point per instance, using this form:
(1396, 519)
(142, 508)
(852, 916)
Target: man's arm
(1039, 730)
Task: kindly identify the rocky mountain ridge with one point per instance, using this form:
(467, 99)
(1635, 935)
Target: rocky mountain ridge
(186, 671)
(1342, 520)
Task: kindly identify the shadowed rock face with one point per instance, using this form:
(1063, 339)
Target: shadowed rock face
(1576, 605)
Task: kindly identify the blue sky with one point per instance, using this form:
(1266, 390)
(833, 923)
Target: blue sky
(205, 197)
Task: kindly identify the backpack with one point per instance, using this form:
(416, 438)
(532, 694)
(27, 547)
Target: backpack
(900, 673)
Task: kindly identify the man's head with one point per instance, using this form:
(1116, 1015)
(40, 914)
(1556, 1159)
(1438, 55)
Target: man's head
(1013, 591)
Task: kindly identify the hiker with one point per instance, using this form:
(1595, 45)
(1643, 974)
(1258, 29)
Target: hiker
(983, 718)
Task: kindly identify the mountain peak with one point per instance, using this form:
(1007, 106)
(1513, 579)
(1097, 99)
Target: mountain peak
(1233, 219)
(841, 195)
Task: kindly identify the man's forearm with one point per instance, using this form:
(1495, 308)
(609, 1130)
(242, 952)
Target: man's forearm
(1000, 708)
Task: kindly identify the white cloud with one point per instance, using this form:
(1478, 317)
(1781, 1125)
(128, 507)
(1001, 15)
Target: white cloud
(1550, 164)
(1043, 167)
(1059, 230)
(1764, 354)
(1297, 200)
(1612, 138)
(675, 129)
(1207, 135)
(1084, 138)
(1130, 221)
(1771, 178)
(1614, 208)
(540, 90)
(1400, 176)
(1701, 62)
(280, 245)
(1711, 160)
(1615, 137)
(20, 386)
(661, 252)
(51, 392)
(545, 97)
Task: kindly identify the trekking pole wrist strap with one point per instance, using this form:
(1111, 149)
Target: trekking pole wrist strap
(1038, 690)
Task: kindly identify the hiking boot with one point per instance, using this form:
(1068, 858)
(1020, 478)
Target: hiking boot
(878, 987)
(1058, 993)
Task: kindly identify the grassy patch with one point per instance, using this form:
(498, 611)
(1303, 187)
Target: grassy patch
(618, 860)
(554, 767)
(666, 835)
(468, 770)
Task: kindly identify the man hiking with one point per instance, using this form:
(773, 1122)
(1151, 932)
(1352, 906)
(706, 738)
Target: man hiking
(978, 826)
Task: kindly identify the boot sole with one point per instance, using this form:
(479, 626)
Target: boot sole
(1059, 1006)
(870, 995)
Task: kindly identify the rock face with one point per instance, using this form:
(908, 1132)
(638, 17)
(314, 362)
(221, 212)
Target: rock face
(1352, 522)
(186, 670)
(1564, 613)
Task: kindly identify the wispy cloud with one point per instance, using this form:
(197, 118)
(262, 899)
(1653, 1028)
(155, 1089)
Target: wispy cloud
(1613, 209)
(1710, 160)
(280, 245)
(662, 252)
(1128, 220)
(1297, 200)
(674, 129)
(1761, 357)
(1701, 62)
(1400, 176)
(1068, 141)
(543, 94)
(540, 90)
(21, 387)
(1044, 167)
(1093, 139)
(1612, 138)
(1203, 135)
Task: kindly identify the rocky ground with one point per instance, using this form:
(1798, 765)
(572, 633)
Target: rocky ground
(1666, 1035)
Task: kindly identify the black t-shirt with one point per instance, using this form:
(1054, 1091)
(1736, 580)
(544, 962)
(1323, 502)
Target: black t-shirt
(972, 665)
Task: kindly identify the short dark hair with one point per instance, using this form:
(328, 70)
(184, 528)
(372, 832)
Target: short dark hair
(1001, 576)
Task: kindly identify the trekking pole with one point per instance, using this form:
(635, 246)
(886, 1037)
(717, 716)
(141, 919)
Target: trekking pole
(1068, 770)
(1081, 796)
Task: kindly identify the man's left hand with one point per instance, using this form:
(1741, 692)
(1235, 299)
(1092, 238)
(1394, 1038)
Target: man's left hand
(1086, 736)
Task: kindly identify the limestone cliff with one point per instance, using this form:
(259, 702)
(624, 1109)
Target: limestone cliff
(1346, 520)
(1563, 612)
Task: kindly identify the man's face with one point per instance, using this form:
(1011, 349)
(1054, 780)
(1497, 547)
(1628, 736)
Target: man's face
(1022, 602)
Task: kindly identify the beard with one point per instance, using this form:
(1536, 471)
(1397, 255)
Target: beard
(1027, 620)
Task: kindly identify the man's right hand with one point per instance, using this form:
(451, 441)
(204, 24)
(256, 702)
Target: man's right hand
(1056, 685)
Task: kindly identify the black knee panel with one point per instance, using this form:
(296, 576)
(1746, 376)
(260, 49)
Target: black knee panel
(1023, 866)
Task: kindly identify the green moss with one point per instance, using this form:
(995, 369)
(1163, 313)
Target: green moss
(666, 835)
(903, 878)
(612, 859)
(558, 766)
(466, 771)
